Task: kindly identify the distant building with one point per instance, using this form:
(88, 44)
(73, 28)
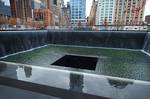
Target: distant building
(78, 9)
(66, 14)
(120, 6)
(49, 13)
(4, 9)
(120, 12)
(147, 19)
(58, 12)
(105, 10)
(129, 12)
(38, 4)
(22, 10)
(92, 16)
(68, 9)
(42, 18)
(42, 13)
(5, 14)
(13, 6)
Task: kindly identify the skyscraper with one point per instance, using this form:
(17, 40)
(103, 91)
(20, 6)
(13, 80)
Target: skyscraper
(92, 16)
(4, 9)
(119, 12)
(5, 14)
(105, 10)
(78, 9)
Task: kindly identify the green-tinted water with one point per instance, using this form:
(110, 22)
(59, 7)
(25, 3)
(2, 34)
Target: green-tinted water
(119, 63)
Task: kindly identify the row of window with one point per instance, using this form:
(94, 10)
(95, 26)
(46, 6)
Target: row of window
(103, 15)
(78, 20)
(80, 17)
(106, 11)
(104, 19)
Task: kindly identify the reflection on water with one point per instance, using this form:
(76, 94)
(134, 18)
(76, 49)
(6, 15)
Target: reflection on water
(76, 82)
(28, 71)
(24, 72)
(3, 67)
(119, 84)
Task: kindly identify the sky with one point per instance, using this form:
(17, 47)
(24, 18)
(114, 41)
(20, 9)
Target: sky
(89, 4)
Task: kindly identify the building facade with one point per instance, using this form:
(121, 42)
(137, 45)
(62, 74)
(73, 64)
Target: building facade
(22, 11)
(105, 10)
(5, 14)
(120, 12)
(66, 15)
(78, 11)
(120, 6)
(147, 19)
(92, 16)
(42, 14)
(4, 9)
(13, 5)
(134, 12)
(129, 12)
(42, 18)
(56, 7)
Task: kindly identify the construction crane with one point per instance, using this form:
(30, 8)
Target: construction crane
(136, 11)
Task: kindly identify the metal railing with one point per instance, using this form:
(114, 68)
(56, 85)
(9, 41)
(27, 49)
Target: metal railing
(102, 28)
(88, 28)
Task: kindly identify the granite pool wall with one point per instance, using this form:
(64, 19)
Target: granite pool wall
(146, 46)
(15, 41)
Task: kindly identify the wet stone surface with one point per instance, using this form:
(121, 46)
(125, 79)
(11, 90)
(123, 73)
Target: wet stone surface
(19, 80)
(15, 93)
(118, 63)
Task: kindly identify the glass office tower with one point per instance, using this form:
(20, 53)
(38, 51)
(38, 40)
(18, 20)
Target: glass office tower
(78, 9)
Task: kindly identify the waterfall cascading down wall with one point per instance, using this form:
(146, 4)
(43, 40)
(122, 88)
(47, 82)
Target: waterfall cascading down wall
(146, 46)
(15, 41)
(112, 39)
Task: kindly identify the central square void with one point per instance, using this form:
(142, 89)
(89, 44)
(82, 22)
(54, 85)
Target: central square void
(81, 62)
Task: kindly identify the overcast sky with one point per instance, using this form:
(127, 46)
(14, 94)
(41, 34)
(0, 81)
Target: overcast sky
(89, 3)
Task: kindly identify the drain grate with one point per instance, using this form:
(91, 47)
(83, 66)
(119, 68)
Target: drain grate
(81, 62)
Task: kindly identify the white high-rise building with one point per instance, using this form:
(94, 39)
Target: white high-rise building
(105, 10)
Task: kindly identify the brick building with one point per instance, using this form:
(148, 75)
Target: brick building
(42, 18)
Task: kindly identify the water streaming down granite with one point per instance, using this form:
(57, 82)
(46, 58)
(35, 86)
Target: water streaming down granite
(118, 63)
(146, 46)
(111, 39)
(15, 41)
(126, 64)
